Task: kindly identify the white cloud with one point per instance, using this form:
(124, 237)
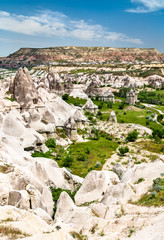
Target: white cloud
(48, 23)
(146, 6)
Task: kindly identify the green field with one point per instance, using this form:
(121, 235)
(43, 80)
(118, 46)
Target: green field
(90, 153)
(83, 157)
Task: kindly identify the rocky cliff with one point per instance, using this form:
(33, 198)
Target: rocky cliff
(82, 54)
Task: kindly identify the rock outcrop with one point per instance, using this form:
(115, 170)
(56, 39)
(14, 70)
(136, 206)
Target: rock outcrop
(23, 89)
(90, 106)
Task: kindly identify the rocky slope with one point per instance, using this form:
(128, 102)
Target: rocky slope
(34, 56)
(103, 207)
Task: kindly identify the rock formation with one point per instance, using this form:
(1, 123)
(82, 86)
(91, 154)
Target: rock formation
(107, 95)
(71, 128)
(68, 86)
(156, 81)
(131, 97)
(112, 117)
(90, 106)
(93, 89)
(23, 89)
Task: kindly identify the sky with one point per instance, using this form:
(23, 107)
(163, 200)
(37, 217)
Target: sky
(110, 23)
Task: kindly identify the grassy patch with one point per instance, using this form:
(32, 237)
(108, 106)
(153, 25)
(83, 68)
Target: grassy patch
(76, 101)
(86, 155)
(156, 195)
(151, 146)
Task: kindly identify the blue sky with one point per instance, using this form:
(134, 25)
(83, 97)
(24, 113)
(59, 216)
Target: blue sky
(50, 23)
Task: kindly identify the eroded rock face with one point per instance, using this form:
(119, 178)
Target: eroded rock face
(93, 89)
(90, 106)
(94, 186)
(23, 89)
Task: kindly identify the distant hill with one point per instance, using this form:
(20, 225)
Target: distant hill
(34, 56)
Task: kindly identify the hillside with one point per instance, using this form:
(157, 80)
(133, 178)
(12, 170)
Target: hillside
(34, 56)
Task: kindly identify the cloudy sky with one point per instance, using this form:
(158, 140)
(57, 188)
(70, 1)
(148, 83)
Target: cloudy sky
(50, 23)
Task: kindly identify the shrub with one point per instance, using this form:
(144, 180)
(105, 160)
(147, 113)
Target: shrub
(65, 97)
(159, 117)
(123, 150)
(158, 133)
(99, 113)
(41, 154)
(132, 136)
(87, 151)
(100, 105)
(98, 164)
(122, 105)
(67, 161)
(51, 143)
(109, 104)
(81, 157)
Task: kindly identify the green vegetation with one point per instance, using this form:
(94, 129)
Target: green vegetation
(132, 136)
(51, 143)
(89, 70)
(56, 194)
(84, 156)
(80, 158)
(75, 101)
(139, 180)
(150, 97)
(123, 150)
(41, 154)
(122, 92)
(151, 146)
(11, 99)
(156, 195)
(65, 97)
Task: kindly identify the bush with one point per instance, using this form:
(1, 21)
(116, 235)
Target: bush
(123, 150)
(51, 143)
(159, 117)
(132, 136)
(109, 104)
(158, 133)
(87, 151)
(67, 161)
(100, 106)
(41, 154)
(65, 97)
(122, 105)
(81, 157)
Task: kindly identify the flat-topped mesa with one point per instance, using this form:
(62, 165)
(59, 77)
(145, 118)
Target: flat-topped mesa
(23, 89)
(90, 106)
(85, 54)
(131, 97)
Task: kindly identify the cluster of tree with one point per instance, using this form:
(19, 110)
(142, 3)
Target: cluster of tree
(122, 92)
(150, 97)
